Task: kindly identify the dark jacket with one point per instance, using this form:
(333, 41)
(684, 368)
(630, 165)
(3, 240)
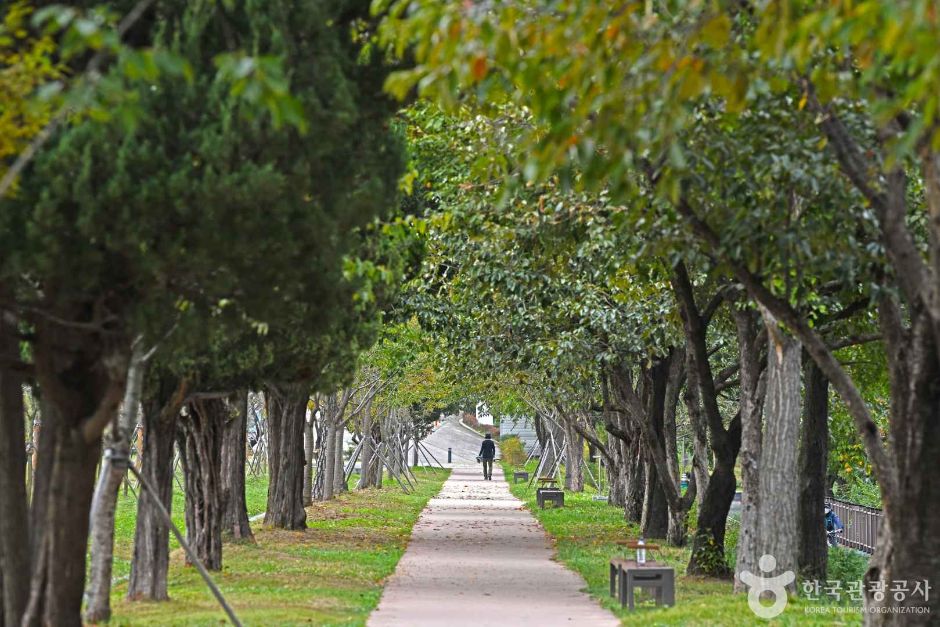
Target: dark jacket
(488, 449)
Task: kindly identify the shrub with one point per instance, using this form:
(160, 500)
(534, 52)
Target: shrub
(846, 564)
(512, 450)
(859, 490)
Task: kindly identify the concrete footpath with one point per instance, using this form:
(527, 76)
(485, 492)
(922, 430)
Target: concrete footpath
(477, 557)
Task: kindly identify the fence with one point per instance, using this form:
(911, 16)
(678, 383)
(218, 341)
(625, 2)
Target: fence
(861, 525)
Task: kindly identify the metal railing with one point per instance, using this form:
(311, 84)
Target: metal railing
(861, 525)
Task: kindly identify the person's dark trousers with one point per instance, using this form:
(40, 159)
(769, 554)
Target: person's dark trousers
(487, 468)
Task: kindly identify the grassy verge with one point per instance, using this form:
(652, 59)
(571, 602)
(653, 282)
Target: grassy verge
(585, 534)
(256, 495)
(330, 574)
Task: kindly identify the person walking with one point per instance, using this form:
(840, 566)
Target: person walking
(487, 455)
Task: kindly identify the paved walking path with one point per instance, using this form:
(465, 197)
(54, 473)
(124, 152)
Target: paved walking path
(477, 557)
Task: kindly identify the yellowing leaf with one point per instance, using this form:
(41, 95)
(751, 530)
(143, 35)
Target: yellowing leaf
(716, 31)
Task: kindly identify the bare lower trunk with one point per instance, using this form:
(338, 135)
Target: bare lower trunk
(365, 455)
(708, 543)
(65, 481)
(699, 444)
(149, 566)
(813, 461)
(655, 518)
(327, 461)
(616, 473)
(635, 485)
(200, 445)
(286, 417)
(113, 471)
(82, 389)
(234, 451)
(574, 458)
(909, 540)
(339, 469)
(779, 494)
(104, 508)
(309, 460)
(14, 529)
(751, 441)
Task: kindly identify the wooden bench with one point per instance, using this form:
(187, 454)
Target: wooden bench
(520, 475)
(626, 575)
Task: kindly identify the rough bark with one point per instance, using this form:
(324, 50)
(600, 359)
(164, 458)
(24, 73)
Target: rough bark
(365, 469)
(14, 528)
(339, 468)
(326, 462)
(654, 522)
(635, 490)
(699, 446)
(616, 474)
(150, 563)
(813, 461)
(200, 445)
(708, 543)
(779, 494)
(751, 437)
(234, 451)
(910, 508)
(82, 389)
(286, 417)
(113, 472)
(309, 460)
(574, 458)
(651, 418)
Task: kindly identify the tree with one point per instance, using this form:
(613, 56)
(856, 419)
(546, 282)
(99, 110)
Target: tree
(156, 223)
(607, 112)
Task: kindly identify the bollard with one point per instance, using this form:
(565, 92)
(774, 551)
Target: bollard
(449, 451)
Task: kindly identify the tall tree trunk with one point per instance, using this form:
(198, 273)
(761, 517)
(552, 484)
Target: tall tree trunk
(635, 485)
(708, 543)
(339, 468)
(309, 461)
(113, 472)
(574, 457)
(813, 462)
(14, 529)
(60, 519)
(234, 451)
(200, 446)
(910, 504)
(81, 391)
(365, 469)
(287, 411)
(616, 470)
(327, 462)
(778, 509)
(751, 438)
(699, 447)
(655, 518)
(150, 563)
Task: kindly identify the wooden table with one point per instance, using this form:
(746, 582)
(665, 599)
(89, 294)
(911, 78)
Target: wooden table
(626, 575)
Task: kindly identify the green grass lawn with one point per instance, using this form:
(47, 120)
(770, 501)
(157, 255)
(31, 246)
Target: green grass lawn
(585, 534)
(256, 496)
(330, 574)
